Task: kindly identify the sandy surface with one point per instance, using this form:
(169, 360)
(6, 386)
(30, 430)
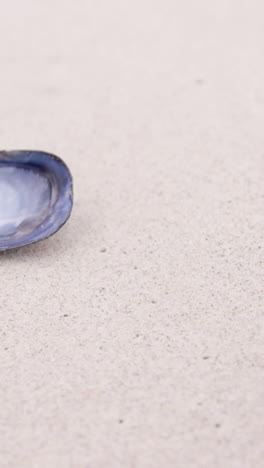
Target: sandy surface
(134, 337)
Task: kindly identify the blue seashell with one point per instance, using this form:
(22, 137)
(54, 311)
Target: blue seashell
(35, 197)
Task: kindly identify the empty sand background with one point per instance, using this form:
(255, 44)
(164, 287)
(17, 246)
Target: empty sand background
(134, 337)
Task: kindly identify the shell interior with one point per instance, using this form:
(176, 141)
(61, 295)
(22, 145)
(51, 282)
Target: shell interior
(35, 197)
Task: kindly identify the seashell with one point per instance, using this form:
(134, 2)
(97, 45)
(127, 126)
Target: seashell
(35, 197)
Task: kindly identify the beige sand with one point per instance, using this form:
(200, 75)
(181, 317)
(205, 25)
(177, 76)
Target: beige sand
(134, 337)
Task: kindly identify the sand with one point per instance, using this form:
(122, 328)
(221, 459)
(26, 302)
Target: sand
(134, 337)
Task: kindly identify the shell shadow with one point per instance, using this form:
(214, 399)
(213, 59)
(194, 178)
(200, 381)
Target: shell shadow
(58, 245)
